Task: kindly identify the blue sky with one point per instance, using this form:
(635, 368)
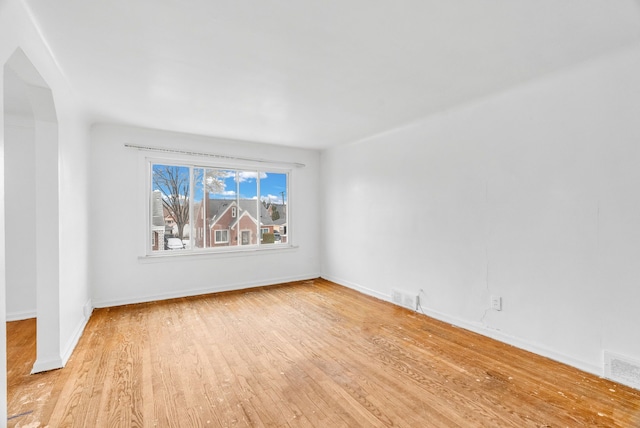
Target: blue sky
(272, 185)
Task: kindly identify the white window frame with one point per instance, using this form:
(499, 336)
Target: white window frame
(215, 237)
(199, 162)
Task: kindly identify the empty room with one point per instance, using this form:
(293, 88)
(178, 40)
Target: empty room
(320, 214)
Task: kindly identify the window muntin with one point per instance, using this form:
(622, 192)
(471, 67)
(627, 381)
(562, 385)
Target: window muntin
(215, 208)
(273, 194)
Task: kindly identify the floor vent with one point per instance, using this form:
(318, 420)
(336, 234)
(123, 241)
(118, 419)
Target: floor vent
(622, 369)
(404, 298)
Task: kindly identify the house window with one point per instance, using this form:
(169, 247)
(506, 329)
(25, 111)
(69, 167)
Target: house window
(211, 208)
(222, 236)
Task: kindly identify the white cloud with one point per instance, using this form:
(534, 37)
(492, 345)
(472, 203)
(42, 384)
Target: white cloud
(276, 199)
(242, 175)
(250, 175)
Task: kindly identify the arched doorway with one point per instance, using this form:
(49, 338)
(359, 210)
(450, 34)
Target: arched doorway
(31, 204)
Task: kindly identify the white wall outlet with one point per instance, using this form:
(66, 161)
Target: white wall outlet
(404, 298)
(496, 303)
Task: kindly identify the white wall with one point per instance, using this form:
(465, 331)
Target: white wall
(119, 272)
(531, 195)
(20, 215)
(74, 177)
(70, 158)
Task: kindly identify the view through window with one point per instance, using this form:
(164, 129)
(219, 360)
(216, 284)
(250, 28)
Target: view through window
(194, 208)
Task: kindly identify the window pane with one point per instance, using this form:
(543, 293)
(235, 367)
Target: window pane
(245, 230)
(213, 197)
(228, 203)
(169, 207)
(216, 207)
(273, 197)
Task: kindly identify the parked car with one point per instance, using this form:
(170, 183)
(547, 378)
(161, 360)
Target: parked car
(277, 238)
(174, 244)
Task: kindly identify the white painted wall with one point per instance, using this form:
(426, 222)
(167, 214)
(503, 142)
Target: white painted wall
(70, 180)
(74, 199)
(532, 195)
(120, 273)
(20, 209)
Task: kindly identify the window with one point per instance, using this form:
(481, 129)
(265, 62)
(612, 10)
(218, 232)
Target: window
(222, 236)
(211, 208)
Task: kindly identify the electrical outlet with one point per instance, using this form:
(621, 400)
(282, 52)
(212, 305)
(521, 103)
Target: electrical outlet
(496, 303)
(404, 298)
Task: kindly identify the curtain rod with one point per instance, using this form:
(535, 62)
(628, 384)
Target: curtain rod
(213, 155)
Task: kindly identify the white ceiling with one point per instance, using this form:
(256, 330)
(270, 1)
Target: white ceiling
(313, 73)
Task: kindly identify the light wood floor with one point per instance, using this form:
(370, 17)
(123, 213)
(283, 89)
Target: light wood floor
(306, 354)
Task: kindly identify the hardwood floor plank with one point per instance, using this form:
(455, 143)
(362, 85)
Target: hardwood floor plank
(304, 354)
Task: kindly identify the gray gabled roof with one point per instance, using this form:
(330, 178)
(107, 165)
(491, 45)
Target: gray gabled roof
(217, 207)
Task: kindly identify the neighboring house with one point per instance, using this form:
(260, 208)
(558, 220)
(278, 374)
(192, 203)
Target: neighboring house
(157, 222)
(279, 220)
(163, 225)
(280, 209)
(228, 222)
(171, 228)
(280, 226)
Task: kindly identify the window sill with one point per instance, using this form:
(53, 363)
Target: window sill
(171, 256)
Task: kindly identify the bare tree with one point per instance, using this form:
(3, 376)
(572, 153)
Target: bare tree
(173, 182)
(213, 179)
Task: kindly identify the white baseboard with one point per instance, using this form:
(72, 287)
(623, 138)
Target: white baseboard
(484, 331)
(357, 287)
(53, 363)
(199, 291)
(87, 309)
(46, 364)
(516, 342)
(22, 315)
(77, 334)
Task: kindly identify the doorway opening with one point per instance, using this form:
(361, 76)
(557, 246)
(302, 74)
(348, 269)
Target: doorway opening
(31, 206)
